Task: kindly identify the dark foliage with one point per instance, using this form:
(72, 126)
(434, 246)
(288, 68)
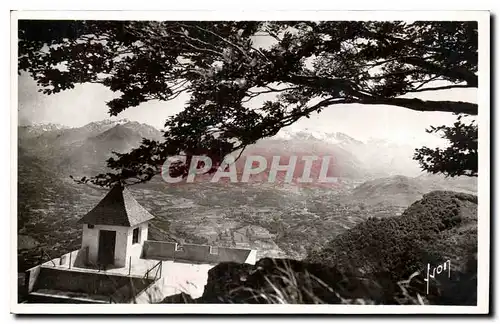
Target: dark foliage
(459, 158)
(308, 66)
(431, 231)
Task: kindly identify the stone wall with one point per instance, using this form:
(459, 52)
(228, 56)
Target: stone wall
(85, 282)
(196, 253)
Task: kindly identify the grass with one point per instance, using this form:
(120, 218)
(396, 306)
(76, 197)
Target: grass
(287, 286)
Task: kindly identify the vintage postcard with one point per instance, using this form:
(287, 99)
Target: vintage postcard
(320, 162)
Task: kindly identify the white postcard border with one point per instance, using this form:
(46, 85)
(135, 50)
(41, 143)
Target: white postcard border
(483, 18)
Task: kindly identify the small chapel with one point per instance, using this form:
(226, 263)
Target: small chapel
(114, 231)
(117, 263)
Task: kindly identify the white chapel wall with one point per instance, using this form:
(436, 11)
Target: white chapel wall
(135, 250)
(90, 238)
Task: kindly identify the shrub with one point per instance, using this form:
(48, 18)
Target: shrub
(427, 232)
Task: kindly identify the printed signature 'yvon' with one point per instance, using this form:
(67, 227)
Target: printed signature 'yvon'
(440, 268)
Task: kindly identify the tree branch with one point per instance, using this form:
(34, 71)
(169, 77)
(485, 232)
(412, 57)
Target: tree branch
(225, 40)
(423, 105)
(454, 86)
(454, 73)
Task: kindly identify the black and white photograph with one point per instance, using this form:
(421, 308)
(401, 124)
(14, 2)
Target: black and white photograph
(337, 162)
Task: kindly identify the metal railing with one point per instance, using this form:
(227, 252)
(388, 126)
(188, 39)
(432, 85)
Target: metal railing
(48, 255)
(158, 268)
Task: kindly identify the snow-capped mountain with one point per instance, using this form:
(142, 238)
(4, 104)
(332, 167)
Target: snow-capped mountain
(48, 126)
(306, 134)
(37, 129)
(105, 124)
(381, 157)
(86, 147)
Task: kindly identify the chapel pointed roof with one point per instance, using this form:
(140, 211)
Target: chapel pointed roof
(117, 208)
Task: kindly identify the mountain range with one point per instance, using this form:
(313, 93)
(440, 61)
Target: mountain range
(380, 168)
(83, 150)
(373, 158)
(86, 148)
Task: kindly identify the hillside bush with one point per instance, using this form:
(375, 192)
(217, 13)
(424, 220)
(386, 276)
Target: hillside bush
(431, 231)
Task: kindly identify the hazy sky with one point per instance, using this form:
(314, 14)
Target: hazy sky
(87, 103)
